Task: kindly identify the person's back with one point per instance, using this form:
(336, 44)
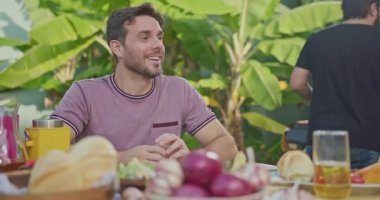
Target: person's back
(345, 66)
(344, 63)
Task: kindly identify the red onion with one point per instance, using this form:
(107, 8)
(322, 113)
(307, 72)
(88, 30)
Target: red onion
(201, 167)
(228, 185)
(190, 190)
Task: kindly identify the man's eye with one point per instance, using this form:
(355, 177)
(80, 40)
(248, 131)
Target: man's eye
(144, 37)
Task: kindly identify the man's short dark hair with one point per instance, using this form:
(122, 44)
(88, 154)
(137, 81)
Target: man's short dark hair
(116, 29)
(356, 9)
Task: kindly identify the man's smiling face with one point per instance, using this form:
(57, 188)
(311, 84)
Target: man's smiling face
(143, 48)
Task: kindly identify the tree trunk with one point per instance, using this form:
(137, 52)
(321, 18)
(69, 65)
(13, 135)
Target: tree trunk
(234, 126)
(233, 121)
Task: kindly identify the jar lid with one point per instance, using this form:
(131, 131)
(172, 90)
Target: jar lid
(47, 123)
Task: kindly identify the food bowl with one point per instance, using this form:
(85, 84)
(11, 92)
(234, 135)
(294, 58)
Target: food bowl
(20, 179)
(99, 193)
(137, 183)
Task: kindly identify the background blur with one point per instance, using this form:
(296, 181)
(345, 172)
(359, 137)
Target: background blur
(239, 54)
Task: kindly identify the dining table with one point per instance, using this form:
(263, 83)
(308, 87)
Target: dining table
(271, 189)
(20, 178)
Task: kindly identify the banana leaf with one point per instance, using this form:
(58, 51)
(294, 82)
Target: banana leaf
(39, 60)
(209, 7)
(264, 122)
(284, 50)
(216, 81)
(261, 85)
(65, 28)
(303, 19)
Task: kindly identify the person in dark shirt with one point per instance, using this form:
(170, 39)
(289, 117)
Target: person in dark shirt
(344, 64)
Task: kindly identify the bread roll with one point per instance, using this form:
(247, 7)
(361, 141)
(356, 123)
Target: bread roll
(55, 172)
(96, 157)
(371, 174)
(296, 166)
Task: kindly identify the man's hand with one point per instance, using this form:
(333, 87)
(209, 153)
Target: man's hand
(174, 146)
(143, 152)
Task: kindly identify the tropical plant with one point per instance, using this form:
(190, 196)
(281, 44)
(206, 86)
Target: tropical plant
(63, 41)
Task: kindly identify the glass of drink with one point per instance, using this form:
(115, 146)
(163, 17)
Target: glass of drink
(331, 157)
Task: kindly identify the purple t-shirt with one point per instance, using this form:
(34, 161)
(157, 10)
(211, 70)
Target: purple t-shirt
(99, 107)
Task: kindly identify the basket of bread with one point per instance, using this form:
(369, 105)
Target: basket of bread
(87, 171)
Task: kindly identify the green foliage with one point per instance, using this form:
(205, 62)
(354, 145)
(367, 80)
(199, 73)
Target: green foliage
(267, 146)
(40, 16)
(65, 28)
(198, 46)
(264, 122)
(284, 50)
(303, 19)
(261, 85)
(216, 81)
(10, 42)
(210, 7)
(39, 60)
(56, 31)
(261, 10)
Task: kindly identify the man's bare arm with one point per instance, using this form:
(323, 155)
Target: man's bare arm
(72, 133)
(215, 137)
(299, 82)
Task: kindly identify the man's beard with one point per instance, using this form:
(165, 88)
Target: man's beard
(143, 70)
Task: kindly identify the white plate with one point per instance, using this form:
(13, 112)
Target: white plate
(356, 189)
(267, 166)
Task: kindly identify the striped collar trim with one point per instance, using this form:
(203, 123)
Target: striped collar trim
(129, 95)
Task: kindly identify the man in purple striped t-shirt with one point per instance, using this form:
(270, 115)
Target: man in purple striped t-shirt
(139, 110)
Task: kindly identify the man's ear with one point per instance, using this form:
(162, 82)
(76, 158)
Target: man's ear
(116, 48)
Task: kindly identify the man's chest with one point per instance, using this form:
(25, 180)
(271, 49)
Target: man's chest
(133, 123)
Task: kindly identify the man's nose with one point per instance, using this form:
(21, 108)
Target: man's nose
(158, 44)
